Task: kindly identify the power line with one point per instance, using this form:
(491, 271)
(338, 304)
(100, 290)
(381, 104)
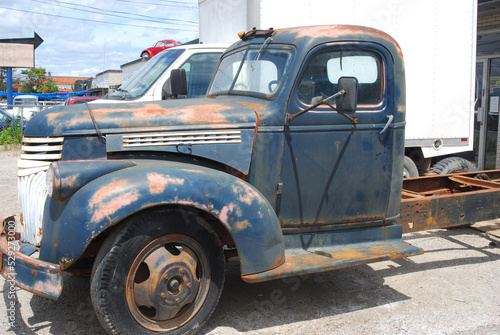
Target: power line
(157, 4)
(101, 11)
(96, 21)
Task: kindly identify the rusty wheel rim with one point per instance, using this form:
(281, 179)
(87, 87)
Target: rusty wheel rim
(168, 282)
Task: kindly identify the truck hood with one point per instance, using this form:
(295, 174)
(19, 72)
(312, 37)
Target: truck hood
(213, 129)
(183, 114)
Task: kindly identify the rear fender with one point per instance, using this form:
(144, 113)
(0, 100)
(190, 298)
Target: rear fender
(69, 226)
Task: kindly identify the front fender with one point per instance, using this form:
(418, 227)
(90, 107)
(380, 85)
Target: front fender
(71, 225)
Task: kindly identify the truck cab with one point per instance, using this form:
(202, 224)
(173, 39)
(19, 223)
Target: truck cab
(292, 163)
(151, 81)
(25, 106)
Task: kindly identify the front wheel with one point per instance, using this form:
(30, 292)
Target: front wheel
(161, 273)
(145, 56)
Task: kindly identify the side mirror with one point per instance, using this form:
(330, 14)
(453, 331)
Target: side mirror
(348, 102)
(176, 85)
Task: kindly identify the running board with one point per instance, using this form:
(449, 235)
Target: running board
(337, 250)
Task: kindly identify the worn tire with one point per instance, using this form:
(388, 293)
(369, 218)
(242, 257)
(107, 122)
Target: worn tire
(452, 165)
(162, 272)
(409, 168)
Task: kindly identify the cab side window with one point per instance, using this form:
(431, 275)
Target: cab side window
(199, 71)
(323, 71)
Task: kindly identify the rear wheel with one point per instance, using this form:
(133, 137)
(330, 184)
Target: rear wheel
(452, 165)
(162, 272)
(145, 56)
(409, 168)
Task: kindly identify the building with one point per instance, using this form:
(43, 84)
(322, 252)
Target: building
(65, 84)
(128, 69)
(106, 82)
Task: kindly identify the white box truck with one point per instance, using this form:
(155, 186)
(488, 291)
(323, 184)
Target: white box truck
(438, 40)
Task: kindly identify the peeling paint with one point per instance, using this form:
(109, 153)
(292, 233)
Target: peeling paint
(241, 225)
(106, 191)
(158, 182)
(231, 209)
(106, 209)
(70, 181)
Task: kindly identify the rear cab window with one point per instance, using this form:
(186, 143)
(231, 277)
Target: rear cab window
(320, 77)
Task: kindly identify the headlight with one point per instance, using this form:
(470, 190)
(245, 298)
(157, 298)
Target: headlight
(51, 180)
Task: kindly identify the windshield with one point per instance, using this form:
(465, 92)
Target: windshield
(259, 72)
(25, 102)
(142, 80)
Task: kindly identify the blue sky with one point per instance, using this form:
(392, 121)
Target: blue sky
(83, 38)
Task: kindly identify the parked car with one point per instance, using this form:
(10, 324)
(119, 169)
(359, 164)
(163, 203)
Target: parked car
(6, 120)
(79, 100)
(26, 104)
(159, 46)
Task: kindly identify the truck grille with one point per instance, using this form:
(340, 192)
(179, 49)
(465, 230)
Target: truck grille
(182, 138)
(36, 156)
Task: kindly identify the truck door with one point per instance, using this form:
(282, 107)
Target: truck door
(334, 171)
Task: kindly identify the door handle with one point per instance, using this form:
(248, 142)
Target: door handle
(389, 121)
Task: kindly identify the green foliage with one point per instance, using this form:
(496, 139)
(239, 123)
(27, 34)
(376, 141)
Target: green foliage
(49, 87)
(25, 88)
(12, 132)
(34, 78)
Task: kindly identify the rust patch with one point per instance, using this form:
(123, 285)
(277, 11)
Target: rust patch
(253, 105)
(279, 261)
(52, 117)
(63, 262)
(338, 31)
(105, 209)
(39, 231)
(110, 199)
(158, 182)
(70, 181)
(192, 114)
(203, 114)
(106, 192)
(241, 225)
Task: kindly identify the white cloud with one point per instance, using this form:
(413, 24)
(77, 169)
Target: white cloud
(82, 48)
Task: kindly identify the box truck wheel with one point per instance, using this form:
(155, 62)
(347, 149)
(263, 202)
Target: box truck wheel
(161, 273)
(409, 168)
(452, 165)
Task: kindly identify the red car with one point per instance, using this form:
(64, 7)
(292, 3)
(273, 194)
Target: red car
(79, 100)
(159, 46)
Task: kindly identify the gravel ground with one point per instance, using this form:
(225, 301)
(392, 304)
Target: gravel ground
(454, 288)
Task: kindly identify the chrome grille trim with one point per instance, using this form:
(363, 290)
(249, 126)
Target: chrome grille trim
(36, 156)
(184, 138)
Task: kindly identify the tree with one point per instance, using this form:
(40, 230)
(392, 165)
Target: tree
(49, 87)
(34, 79)
(3, 79)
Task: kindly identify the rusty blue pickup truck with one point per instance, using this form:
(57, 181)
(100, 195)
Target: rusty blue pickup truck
(293, 164)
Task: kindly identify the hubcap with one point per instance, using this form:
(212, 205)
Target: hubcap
(168, 282)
